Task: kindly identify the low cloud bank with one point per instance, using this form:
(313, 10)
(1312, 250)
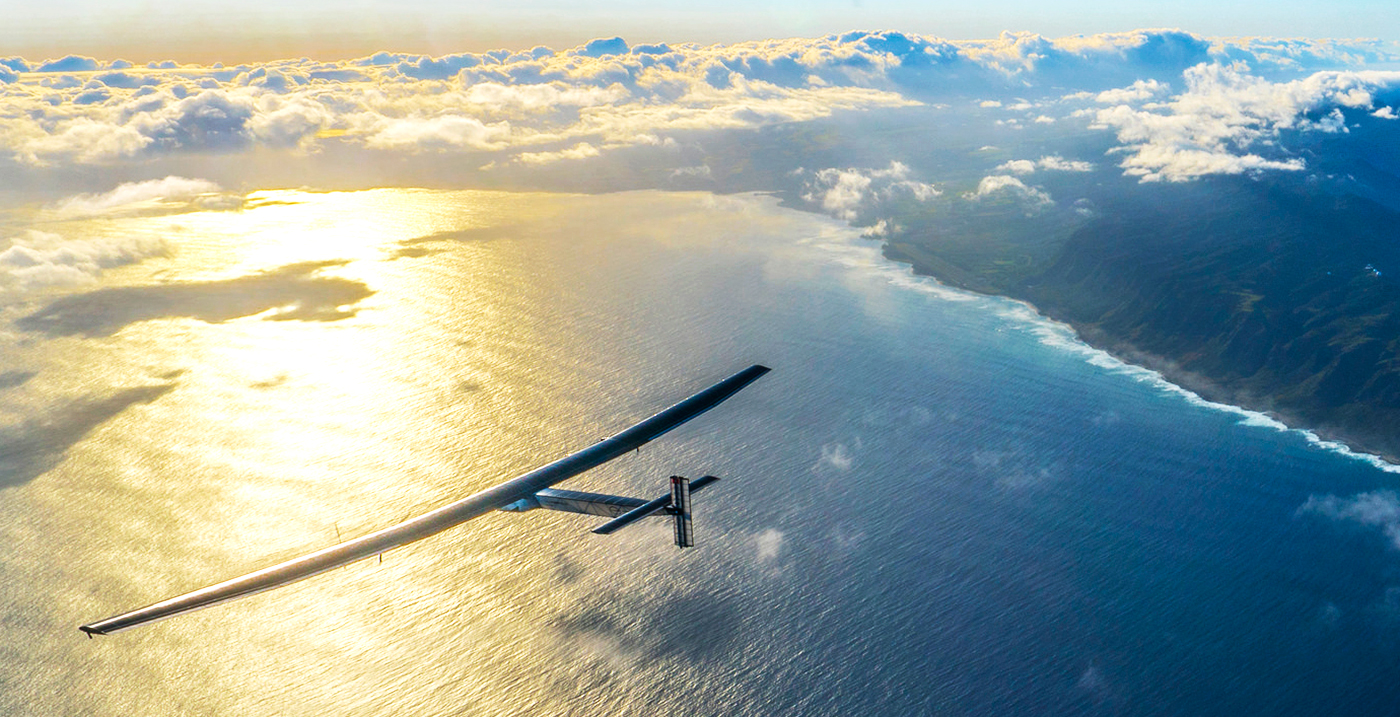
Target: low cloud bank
(37, 260)
(171, 190)
(1181, 105)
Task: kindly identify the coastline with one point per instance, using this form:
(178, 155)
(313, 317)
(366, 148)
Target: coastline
(1197, 386)
(1208, 390)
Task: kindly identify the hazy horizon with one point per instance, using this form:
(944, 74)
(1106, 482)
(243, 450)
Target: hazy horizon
(265, 30)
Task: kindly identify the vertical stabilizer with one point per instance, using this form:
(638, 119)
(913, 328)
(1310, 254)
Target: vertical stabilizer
(680, 503)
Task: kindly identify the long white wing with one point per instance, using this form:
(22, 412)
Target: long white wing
(435, 521)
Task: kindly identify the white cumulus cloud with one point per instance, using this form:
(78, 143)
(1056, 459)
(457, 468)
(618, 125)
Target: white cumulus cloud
(444, 131)
(837, 456)
(844, 193)
(1056, 163)
(135, 194)
(768, 545)
(1006, 186)
(1017, 166)
(1052, 163)
(1379, 509)
(1137, 92)
(582, 150)
(1227, 120)
(36, 259)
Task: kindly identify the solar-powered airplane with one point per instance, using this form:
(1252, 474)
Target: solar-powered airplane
(523, 493)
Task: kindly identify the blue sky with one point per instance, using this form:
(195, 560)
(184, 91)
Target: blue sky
(206, 30)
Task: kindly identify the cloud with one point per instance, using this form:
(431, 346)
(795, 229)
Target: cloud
(603, 48)
(82, 140)
(1379, 509)
(171, 189)
(1017, 166)
(1137, 92)
(71, 63)
(701, 171)
(768, 545)
(1023, 53)
(582, 150)
(1053, 163)
(606, 94)
(845, 193)
(38, 259)
(880, 229)
(537, 97)
(446, 131)
(1056, 163)
(1228, 120)
(837, 456)
(1006, 186)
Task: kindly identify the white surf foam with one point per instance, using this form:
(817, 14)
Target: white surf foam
(850, 250)
(1062, 336)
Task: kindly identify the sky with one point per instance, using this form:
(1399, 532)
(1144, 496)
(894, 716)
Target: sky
(257, 30)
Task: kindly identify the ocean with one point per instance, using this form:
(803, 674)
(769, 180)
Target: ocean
(937, 503)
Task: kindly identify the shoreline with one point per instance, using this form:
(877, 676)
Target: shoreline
(1206, 389)
(1200, 387)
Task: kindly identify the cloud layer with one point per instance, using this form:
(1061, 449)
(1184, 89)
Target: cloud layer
(542, 106)
(1228, 121)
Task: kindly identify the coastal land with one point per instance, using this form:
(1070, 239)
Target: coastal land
(1276, 293)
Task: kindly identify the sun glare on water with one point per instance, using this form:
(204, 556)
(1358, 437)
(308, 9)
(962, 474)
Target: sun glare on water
(265, 378)
(312, 385)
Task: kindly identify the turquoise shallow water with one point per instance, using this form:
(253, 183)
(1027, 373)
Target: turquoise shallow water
(935, 504)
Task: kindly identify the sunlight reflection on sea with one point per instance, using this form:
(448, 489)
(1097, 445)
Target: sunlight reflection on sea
(476, 355)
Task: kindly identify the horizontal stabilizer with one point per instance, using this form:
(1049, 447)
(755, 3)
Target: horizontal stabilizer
(634, 515)
(680, 508)
(664, 503)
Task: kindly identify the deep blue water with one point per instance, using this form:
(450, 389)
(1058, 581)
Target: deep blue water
(1006, 523)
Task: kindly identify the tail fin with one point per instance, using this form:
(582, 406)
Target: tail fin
(680, 505)
(675, 504)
